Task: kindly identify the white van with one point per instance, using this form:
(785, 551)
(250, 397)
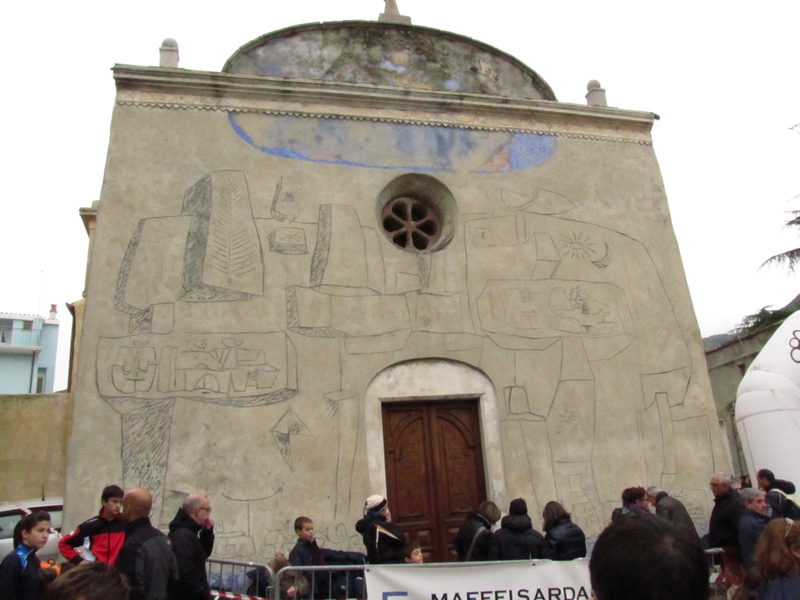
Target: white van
(12, 512)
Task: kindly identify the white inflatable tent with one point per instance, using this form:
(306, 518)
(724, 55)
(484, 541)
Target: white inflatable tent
(768, 405)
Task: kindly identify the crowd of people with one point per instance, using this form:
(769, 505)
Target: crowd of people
(643, 554)
(757, 531)
(118, 554)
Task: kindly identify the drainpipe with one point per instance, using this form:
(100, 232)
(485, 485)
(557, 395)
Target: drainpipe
(33, 371)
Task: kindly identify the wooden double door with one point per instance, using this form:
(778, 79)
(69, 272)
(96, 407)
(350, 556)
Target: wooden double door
(434, 470)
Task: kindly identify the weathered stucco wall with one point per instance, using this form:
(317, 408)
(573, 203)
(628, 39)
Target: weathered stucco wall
(242, 296)
(34, 430)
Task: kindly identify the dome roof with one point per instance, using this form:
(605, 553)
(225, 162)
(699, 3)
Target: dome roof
(389, 54)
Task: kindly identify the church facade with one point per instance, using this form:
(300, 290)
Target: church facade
(370, 257)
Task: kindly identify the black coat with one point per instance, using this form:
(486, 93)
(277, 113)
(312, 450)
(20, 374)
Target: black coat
(723, 527)
(566, 540)
(383, 539)
(518, 540)
(478, 527)
(775, 498)
(192, 545)
(147, 560)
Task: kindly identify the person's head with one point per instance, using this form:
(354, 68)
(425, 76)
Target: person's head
(648, 559)
(778, 549)
(553, 512)
(635, 495)
(518, 506)
(754, 500)
(489, 511)
(744, 481)
(304, 528)
(89, 581)
(764, 478)
(47, 575)
(136, 504)
(377, 505)
(720, 484)
(111, 499)
(197, 507)
(412, 553)
(33, 530)
(652, 494)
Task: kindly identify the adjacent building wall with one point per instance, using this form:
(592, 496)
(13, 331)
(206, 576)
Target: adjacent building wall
(28, 346)
(34, 429)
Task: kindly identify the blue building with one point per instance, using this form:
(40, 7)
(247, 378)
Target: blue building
(28, 353)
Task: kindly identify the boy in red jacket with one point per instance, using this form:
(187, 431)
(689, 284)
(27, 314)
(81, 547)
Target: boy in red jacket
(104, 533)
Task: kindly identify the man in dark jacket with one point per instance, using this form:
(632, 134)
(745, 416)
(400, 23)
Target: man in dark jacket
(723, 527)
(754, 520)
(192, 535)
(146, 557)
(671, 509)
(516, 538)
(776, 490)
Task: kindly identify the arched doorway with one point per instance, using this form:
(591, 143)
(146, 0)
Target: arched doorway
(433, 443)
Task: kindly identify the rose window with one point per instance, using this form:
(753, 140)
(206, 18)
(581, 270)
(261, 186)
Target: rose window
(411, 223)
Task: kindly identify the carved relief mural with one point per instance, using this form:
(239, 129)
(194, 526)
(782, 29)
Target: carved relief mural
(552, 309)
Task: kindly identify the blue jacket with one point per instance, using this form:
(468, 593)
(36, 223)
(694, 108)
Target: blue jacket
(782, 588)
(19, 575)
(307, 554)
(566, 540)
(751, 525)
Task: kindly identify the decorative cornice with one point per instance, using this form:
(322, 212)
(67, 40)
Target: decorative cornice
(179, 89)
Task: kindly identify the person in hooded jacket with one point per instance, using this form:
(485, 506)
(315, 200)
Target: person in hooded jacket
(564, 539)
(474, 541)
(516, 538)
(776, 490)
(383, 539)
(192, 535)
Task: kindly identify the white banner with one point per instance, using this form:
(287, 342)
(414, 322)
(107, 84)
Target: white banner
(518, 580)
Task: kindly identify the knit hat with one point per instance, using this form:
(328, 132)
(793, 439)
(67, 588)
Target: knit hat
(375, 503)
(518, 507)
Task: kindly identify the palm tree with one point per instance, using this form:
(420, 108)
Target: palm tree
(789, 259)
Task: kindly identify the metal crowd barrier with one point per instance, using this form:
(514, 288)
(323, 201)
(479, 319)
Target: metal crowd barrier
(719, 590)
(329, 581)
(233, 579)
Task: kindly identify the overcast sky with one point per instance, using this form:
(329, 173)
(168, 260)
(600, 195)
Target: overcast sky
(722, 76)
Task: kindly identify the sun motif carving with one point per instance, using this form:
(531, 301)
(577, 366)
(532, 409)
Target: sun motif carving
(578, 247)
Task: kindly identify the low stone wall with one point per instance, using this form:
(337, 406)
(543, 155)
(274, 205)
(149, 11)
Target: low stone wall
(34, 430)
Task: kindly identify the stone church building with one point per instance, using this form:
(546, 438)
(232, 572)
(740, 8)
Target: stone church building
(372, 257)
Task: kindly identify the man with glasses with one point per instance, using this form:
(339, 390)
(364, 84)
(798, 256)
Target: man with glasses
(723, 527)
(192, 536)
